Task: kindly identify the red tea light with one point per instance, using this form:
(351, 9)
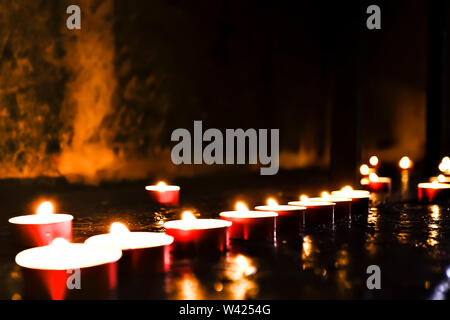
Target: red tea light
(288, 221)
(47, 271)
(405, 163)
(434, 191)
(164, 194)
(198, 236)
(143, 252)
(379, 184)
(441, 179)
(343, 207)
(317, 213)
(374, 162)
(360, 199)
(250, 225)
(42, 228)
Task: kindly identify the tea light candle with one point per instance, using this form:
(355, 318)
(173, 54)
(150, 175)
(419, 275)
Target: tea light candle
(164, 194)
(379, 184)
(288, 221)
(318, 213)
(434, 191)
(374, 162)
(46, 270)
(42, 228)
(405, 163)
(343, 207)
(360, 199)
(143, 252)
(250, 225)
(192, 235)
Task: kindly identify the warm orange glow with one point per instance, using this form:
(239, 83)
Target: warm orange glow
(405, 163)
(364, 169)
(441, 178)
(347, 188)
(188, 216)
(304, 197)
(161, 184)
(325, 194)
(271, 202)
(240, 267)
(45, 208)
(373, 161)
(373, 177)
(241, 206)
(118, 228)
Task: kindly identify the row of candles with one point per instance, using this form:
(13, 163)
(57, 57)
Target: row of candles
(51, 253)
(101, 258)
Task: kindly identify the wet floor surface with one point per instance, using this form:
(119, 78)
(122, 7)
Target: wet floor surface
(408, 241)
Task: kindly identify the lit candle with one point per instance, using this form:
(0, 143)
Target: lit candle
(434, 191)
(48, 270)
(441, 178)
(143, 252)
(288, 221)
(365, 170)
(343, 207)
(164, 194)
(374, 162)
(444, 166)
(405, 163)
(197, 236)
(318, 213)
(250, 225)
(360, 199)
(42, 228)
(379, 184)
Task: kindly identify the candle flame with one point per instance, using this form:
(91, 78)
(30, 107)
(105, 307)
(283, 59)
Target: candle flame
(373, 177)
(59, 242)
(241, 206)
(405, 163)
(304, 197)
(325, 194)
(364, 169)
(188, 216)
(441, 178)
(347, 188)
(45, 208)
(272, 202)
(118, 228)
(435, 183)
(373, 161)
(161, 184)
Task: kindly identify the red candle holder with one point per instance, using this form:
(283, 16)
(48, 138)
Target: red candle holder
(197, 236)
(164, 194)
(48, 270)
(143, 253)
(42, 228)
(289, 219)
(360, 200)
(379, 184)
(317, 213)
(433, 192)
(342, 208)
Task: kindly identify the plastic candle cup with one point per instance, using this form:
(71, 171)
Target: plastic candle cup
(250, 225)
(342, 208)
(379, 184)
(164, 194)
(434, 191)
(288, 221)
(197, 236)
(42, 228)
(49, 270)
(318, 213)
(360, 199)
(143, 252)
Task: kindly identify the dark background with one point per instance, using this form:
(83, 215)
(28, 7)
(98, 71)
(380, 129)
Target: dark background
(101, 103)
